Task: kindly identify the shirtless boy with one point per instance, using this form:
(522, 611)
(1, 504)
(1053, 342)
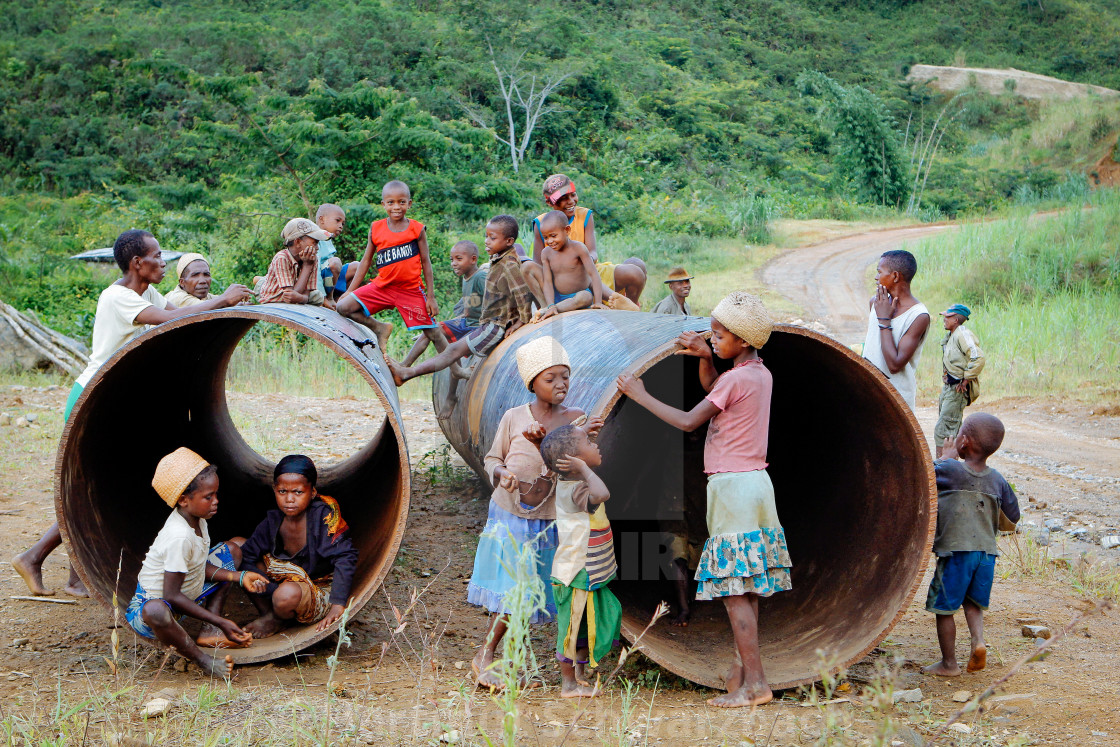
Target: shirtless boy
(570, 279)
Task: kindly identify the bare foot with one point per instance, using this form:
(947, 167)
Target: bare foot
(383, 338)
(681, 619)
(216, 667)
(582, 677)
(446, 409)
(32, 575)
(742, 698)
(397, 370)
(941, 669)
(734, 679)
(484, 675)
(76, 589)
(210, 636)
(461, 372)
(265, 626)
(979, 658)
(578, 690)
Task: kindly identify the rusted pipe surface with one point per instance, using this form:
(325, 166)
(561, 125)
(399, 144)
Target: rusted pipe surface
(851, 471)
(167, 389)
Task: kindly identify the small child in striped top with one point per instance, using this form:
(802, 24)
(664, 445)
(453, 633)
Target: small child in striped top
(589, 616)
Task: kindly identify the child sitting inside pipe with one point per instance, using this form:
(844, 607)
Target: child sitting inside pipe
(745, 556)
(522, 507)
(589, 616)
(970, 499)
(570, 279)
(303, 547)
(183, 574)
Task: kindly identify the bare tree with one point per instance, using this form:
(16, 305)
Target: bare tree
(523, 93)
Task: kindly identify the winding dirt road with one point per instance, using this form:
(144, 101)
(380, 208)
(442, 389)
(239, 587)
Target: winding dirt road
(1063, 455)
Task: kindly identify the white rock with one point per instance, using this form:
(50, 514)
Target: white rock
(21, 422)
(1035, 631)
(907, 696)
(5, 418)
(962, 696)
(449, 737)
(156, 707)
(31, 417)
(962, 728)
(1110, 541)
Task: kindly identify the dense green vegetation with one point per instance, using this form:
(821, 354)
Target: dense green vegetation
(210, 125)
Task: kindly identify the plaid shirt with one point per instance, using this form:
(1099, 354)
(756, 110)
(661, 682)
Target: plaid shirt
(282, 273)
(507, 298)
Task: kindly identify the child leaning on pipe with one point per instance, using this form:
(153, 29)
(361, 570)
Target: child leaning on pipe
(745, 556)
(522, 507)
(970, 498)
(303, 547)
(182, 574)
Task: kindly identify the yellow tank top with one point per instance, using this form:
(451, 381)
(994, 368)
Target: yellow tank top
(578, 222)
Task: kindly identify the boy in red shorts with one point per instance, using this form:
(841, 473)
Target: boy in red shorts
(404, 270)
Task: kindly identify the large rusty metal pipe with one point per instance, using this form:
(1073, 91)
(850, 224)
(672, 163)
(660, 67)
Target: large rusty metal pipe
(167, 389)
(851, 472)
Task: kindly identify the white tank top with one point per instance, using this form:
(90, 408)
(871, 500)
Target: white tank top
(905, 381)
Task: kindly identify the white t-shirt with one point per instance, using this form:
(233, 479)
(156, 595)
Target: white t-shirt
(114, 324)
(906, 380)
(176, 549)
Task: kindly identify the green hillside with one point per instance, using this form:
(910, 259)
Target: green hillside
(209, 124)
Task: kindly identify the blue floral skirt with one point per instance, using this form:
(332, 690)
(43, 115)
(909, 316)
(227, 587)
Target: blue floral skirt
(499, 554)
(746, 551)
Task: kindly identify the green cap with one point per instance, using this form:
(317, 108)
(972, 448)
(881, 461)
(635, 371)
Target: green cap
(958, 308)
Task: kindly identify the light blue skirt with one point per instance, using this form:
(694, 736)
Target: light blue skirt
(499, 552)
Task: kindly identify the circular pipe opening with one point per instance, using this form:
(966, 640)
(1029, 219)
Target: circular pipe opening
(852, 477)
(168, 389)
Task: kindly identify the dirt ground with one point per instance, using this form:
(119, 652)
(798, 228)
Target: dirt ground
(1062, 456)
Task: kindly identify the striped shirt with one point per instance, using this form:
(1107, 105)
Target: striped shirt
(585, 539)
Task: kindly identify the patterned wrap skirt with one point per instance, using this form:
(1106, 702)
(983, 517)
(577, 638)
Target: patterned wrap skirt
(746, 549)
(499, 555)
(315, 594)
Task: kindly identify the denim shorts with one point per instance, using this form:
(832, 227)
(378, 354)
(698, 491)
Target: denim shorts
(219, 556)
(962, 575)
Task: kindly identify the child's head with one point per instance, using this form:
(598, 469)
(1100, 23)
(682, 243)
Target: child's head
(299, 233)
(569, 441)
(138, 252)
(896, 267)
(544, 367)
(501, 233)
(679, 282)
(293, 484)
(194, 275)
(955, 316)
(555, 230)
(560, 194)
(185, 480)
(464, 257)
(739, 322)
(396, 198)
(980, 436)
(331, 218)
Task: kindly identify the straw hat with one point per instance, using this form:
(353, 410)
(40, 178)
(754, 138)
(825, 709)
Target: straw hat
(678, 273)
(185, 261)
(534, 357)
(175, 472)
(746, 317)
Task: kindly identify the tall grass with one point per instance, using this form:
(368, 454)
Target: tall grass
(1045, 295)
(1071, 133)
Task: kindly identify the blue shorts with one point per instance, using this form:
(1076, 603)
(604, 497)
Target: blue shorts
(219, 556)
(565, 296)
(962, 575)
(457, 328)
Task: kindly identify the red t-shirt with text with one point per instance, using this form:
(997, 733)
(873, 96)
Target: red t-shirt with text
(398, 254)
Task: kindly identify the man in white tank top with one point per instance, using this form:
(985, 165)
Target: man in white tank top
(897, 323)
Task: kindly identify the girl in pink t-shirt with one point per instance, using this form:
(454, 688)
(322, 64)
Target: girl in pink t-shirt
(745, 556)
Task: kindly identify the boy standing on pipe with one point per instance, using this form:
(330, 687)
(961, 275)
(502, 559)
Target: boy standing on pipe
(745, 556)
(971, 496)
(962, 360)
(897, 323)
(125, 310)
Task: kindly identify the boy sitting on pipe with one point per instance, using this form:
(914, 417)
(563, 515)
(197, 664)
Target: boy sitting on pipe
(972, 499)
(570, 279)
(182, 573)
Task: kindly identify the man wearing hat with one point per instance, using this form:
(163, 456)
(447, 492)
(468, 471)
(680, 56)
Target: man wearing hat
(292, 274)
(961, 360)
(679, 288)
(194, 281)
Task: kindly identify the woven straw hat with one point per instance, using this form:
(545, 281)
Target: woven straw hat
(678, 273)
(746, 317)
(185, 262)
(175, 472)
(534, 357)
